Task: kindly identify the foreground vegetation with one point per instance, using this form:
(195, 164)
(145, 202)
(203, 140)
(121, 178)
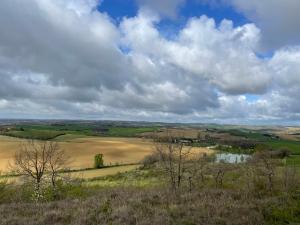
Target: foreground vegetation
(144, 197)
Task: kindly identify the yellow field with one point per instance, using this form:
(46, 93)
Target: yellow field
(289, 133)
(8, 146)
(82, 150)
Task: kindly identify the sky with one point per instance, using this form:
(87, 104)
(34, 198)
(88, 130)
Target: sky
(199, 61)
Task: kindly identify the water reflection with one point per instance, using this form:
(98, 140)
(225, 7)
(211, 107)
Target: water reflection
(232, 158)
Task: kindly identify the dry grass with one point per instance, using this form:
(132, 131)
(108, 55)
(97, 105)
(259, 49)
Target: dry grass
(131, 206)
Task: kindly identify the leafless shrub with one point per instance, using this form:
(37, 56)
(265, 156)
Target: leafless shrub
(57, 161)
(218, 171)
(265, 164)
(174, 157)
(150, 160)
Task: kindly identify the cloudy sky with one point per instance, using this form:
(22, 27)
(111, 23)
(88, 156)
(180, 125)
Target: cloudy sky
(223, 61)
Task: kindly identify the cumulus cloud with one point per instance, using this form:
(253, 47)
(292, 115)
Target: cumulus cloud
(64, 59)
(222, 55)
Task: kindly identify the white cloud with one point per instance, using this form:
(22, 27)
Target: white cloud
(63, 59)
(223, 55)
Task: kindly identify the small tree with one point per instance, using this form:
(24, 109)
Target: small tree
(98, 161)
(173, 157)
(38, 160)
(31, 160)
(57, 161)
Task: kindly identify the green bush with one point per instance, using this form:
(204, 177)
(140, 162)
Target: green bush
(98, 161)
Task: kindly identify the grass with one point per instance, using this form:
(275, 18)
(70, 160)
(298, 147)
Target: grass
(293, 160)
(293, 146)
(84, 174)
(132, 178)
(69, 137)
(95, 173)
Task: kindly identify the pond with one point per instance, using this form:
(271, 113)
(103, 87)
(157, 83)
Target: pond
(232, 158)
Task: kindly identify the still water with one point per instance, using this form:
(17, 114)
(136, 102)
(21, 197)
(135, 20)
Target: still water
(232, 158)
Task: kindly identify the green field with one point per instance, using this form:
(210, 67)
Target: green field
(271, 141)
(69, 131)
(293, 146)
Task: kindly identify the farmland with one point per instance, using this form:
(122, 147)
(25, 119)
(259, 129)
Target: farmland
(82, 150)
(51, 131)
(136, 182)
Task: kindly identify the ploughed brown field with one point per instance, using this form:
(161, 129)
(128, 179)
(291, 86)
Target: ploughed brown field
(82, 150)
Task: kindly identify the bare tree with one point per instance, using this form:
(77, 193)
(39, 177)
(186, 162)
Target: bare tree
(57, 161)
(173, 156)
(37, 160)
(265, 164)
(31, 160)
